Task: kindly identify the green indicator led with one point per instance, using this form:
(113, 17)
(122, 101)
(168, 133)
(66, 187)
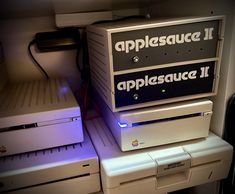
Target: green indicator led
(163, 90)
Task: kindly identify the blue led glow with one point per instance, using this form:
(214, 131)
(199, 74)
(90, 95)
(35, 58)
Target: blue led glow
(63, 90)
(122, 125)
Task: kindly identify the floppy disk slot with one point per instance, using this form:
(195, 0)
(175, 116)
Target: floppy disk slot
(167, 119)
(44, 152)
(38, 124)
(136, 180)
(41, 184)
(17, 127)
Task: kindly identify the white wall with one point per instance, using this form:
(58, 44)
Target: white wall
(15, 34)
(25, 8)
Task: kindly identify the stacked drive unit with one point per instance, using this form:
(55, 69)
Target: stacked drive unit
(38, 115)
(64, 169)
(43, 147)
(143, 63)
(164, 124)
(152, 78)
(161, 169)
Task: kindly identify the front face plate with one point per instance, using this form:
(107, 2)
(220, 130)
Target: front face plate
(162, 45)
(163, 83)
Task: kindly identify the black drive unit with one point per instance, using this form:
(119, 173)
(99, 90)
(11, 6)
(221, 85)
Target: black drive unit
(136, 64)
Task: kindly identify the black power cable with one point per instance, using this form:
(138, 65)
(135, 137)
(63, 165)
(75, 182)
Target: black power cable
(32, 42)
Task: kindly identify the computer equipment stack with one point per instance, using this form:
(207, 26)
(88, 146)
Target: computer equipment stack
(152, 80)
(156, 74)
(43, 147)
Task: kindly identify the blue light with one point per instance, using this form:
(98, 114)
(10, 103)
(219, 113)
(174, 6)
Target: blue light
(122, 125)
(63, 90)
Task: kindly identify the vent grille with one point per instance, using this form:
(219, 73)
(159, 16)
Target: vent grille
(52, 152)
(99, 63)
(35, 96)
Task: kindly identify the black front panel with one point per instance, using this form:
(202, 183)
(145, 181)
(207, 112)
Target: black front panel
(163, 83)
(162, 45)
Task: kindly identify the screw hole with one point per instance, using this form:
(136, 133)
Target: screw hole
(165, 53)
(189, 50)
(201, 49)
(177, 52)
(136, 96)
(212, 12)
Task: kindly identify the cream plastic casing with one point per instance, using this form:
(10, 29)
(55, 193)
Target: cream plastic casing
(37, 115)
(159, 125)
(159, 169)
(67, 169)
